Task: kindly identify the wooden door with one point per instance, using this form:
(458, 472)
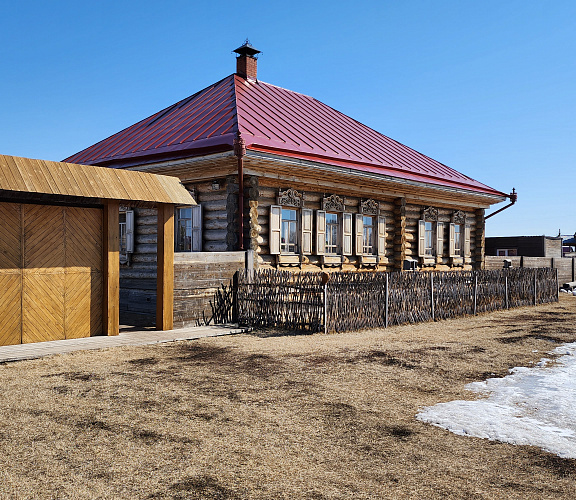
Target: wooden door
(50, 273)
(10, 274)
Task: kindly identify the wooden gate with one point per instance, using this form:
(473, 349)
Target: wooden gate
(50, 272)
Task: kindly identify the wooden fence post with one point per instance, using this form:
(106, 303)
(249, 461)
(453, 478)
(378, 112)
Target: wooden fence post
(506, 290)
(432, 295)
(235, 297)
(386, 310)
(535, 285)
(325, 279)
(475, 291)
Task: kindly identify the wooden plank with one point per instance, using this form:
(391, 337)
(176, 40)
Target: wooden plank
(43, 238)
(42, 307)
(165, 268)
(48, 177)
(111, 269)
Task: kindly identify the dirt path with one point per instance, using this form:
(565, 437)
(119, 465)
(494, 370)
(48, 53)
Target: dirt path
(251, 416)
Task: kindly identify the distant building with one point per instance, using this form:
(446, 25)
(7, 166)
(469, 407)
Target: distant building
(569, 246)
(526, 246)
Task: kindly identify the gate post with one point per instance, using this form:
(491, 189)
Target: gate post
(432, 295)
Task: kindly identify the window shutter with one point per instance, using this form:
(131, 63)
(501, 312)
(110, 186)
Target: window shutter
(439, 239)
(466, 240)
(275, 223)
(359, 234)
(451, 245)
(129, 231)
(306, 231)
(381, 235)
(421, 238)
(346, 234)
(320, 232)
(197, 228)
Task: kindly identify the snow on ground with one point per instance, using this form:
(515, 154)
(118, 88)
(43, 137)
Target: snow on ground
(531, 406)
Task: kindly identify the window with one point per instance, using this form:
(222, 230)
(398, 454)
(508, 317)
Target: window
(126, 219)
(429, 239)
(367, 235)
(188, 229)
(458, 240)
(507, 252)
(289, 231)
(332, 226)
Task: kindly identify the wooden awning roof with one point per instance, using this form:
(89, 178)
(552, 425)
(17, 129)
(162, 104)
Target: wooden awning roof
(25, 175)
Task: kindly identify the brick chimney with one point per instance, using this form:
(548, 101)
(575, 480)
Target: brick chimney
(247, 61)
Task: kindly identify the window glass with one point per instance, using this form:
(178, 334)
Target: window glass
(368, 235)
(183, 229)
(429, 238)
(458, 239)
(289, 231)
(331, 233)
(123, 232)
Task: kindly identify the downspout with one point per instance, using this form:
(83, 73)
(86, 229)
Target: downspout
(513, 197)
(239, 152)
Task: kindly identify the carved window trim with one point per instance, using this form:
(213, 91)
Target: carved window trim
(290, 198)
(459, 217)
(369, 207)
(333, 203)
(430, 214)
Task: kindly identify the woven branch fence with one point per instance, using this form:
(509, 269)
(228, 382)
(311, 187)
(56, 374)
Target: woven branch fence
(353, 301)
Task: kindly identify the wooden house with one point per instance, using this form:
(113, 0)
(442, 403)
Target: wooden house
(301, 185)
(59, 265)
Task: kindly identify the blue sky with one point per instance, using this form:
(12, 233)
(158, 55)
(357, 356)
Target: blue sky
(486, 87)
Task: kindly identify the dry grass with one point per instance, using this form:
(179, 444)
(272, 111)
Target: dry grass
(309, 417)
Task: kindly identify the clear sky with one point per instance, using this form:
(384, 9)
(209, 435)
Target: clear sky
(486, 87)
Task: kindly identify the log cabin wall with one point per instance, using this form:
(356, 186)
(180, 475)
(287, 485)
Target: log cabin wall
(197, 275)
(138, 275)
(401, 229)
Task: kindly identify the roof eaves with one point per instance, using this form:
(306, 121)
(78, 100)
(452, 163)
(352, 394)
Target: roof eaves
(380, 173)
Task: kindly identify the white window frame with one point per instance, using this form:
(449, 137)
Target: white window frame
(285, 231)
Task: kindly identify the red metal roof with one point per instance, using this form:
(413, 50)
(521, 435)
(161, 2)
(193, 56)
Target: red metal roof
(274, 120)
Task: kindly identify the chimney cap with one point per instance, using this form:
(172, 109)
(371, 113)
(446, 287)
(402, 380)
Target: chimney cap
(247, 49)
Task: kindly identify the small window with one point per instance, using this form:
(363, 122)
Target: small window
(368, 235)
(188, 230)
(289, 231)
(332, 229)
(458, 240)
(122, 232)
(126, 219)
(429, 239)
(184, 229)
(507, 252)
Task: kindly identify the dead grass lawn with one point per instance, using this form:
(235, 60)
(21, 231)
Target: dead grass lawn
(277, 417)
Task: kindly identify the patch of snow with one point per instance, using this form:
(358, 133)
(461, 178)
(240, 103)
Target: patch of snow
(531, 406)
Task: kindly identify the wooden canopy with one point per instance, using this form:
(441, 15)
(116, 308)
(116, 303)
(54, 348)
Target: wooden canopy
(25, 175)
(64, 212)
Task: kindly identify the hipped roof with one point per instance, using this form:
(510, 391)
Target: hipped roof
(274, 120)
(25, 175)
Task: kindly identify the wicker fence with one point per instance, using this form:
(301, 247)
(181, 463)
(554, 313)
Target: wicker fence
(352, 301)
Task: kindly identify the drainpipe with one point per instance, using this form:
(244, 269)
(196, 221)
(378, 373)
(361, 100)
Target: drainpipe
(513, 197)
(239, 152)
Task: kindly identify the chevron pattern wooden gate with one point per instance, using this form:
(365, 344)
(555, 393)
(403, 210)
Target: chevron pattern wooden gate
(50, 272)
